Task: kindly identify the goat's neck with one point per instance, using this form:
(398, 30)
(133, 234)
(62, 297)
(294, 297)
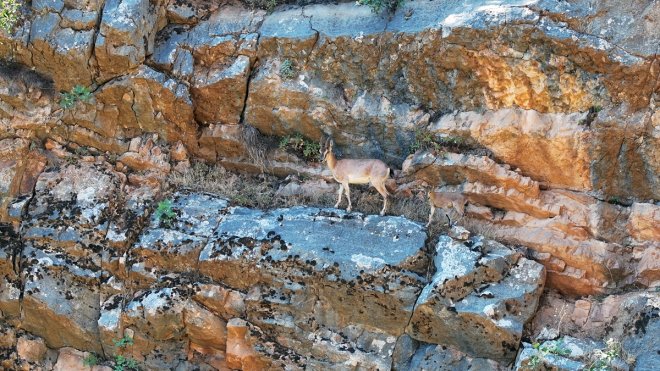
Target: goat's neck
(331, 160)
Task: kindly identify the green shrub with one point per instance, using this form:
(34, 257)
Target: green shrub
(542, 350)
(427, 141)
(287, 69)
(300, 145)
(9, 14)
(125, 363)
(602, 358)
(378, 5)
(91, 360)
(79, 93)
(165, 214)
(267, 5)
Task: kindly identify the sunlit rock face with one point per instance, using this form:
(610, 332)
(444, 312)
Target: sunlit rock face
(238, 287)
(541, 114)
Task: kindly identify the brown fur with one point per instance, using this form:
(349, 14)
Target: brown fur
(446, 200)
(356, 171)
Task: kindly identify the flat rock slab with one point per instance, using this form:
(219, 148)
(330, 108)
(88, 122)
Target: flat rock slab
(174, 246)
(61, 298)
(368, 268)
(479, 299)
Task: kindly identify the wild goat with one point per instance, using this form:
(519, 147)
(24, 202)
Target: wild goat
(356, 171)
(445, 200)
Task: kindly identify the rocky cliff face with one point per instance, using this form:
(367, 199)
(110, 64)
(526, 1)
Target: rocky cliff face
(542, 114)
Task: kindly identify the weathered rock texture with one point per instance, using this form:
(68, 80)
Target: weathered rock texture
(588, 245)
(552, 104)
(243, 288)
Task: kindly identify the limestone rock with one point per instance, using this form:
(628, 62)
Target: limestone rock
(61, 299)
(481, 290)
(62, 261)
(643, 338)
(146, 101)
(174, 244)
(644, 222)
(126, 35)
(31, 350)
(323, 243)
(247, 349)
(436, 357)
(61, 52)
(224, 84)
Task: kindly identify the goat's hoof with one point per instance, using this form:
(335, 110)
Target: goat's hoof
(348, 210)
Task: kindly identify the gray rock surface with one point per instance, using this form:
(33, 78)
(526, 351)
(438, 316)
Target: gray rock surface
(126, 35)
(482, 290)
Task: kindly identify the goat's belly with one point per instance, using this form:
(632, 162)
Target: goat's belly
(358, 180)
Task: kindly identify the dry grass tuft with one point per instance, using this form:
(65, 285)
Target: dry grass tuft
(247, 190)
(260, 191)
(256, 146)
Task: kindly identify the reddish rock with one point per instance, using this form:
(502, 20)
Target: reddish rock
(644, 222)
(31, 350)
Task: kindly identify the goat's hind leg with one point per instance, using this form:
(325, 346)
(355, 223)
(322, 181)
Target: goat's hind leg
(348, 196)
(383, 192)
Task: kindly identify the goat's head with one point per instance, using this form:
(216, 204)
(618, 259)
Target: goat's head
(326, 148)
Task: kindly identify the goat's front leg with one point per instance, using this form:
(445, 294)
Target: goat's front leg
(341, 191)
(348, 196)
(431, 214)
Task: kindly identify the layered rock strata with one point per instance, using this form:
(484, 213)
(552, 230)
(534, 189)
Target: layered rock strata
(245, 288)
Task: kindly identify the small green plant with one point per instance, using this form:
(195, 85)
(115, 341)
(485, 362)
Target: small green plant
(287, 69)
(125, 363)
(91, 360)
(378, 5)
(165, 214)
(71, 160)
(123, 342)
(423, 141)
(79, 93)
(309, 149)
(543, 350)
(9, 14)
(603, 358)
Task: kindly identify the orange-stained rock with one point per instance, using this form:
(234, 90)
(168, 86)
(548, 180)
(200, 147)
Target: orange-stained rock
(548, 147)
(240, 347)
(206, 331)
(647, 269)
(31, 349)
(178, 152)
(223, 301)
(71, 359)
(644, 222)
(219, 141)
(223, 83)
(578, 238)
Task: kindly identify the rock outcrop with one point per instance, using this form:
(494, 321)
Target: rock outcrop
(542, 114)
(204, 282)
(587, 245)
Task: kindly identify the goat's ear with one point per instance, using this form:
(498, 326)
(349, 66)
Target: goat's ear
(331, 143)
